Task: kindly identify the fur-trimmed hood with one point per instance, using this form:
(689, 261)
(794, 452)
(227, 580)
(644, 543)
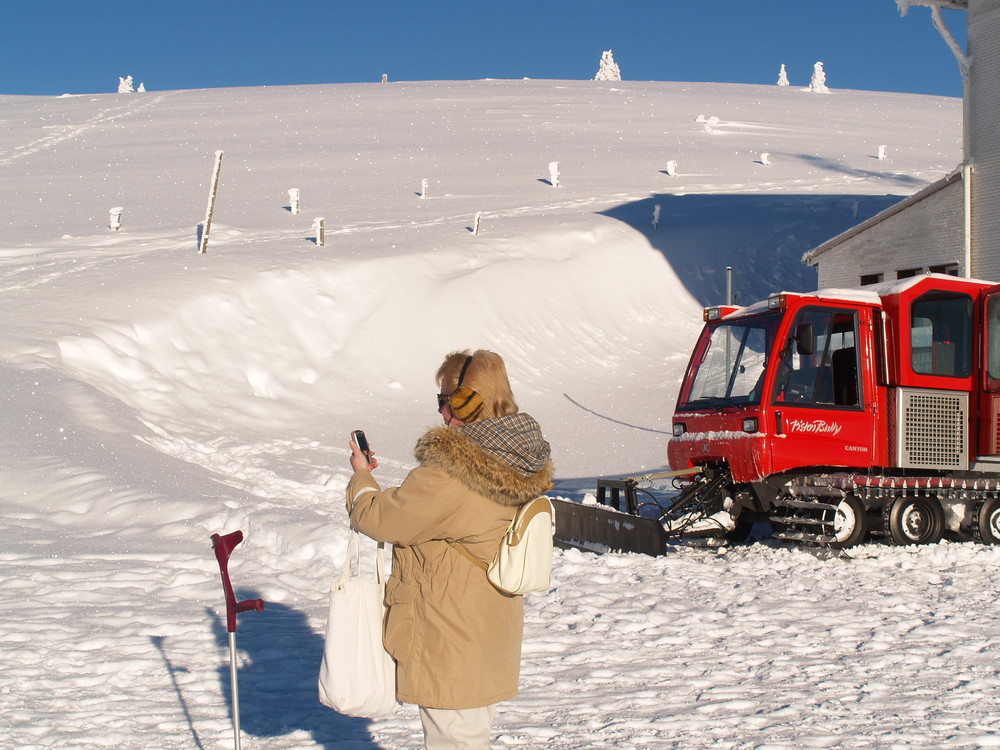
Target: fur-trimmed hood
(505, 459)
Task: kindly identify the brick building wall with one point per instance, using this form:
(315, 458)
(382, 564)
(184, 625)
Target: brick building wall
(984, 136)
(927, 232)
(919, 234)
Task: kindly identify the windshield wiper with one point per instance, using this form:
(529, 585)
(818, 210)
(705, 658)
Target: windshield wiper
(719, 399)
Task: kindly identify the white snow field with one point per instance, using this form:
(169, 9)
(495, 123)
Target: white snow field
(152, 396)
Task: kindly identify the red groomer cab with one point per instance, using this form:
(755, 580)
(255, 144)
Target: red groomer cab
(842, 413)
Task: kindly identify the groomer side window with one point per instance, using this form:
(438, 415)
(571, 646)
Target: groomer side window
(941, 335)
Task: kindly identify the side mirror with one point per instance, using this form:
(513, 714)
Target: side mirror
(805, 339)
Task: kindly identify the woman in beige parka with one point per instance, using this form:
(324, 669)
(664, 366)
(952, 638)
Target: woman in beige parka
(455, 638)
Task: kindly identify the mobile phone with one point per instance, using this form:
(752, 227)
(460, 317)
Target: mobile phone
(362, 441)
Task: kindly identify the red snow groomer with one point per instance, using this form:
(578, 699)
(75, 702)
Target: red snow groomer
(842, 413)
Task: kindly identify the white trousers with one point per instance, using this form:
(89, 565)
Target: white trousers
(457, 728)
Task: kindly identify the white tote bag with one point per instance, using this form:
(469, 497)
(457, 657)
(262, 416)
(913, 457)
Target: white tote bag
(357, 676)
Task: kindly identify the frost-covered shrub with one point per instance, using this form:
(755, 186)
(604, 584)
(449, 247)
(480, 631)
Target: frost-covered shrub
(125, 85)
(319, 226)
(609, 70)
(881, 152)
(554, 173)
(818, 82)
(672, 168)
(293, 200)
(115, 218)
(656, 216)
(782, 76)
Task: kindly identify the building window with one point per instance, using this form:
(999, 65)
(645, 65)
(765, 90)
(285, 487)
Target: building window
(951, 269)
(906, 273)
(872, 278)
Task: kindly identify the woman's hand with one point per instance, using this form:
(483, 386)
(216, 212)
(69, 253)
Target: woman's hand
(360, 462)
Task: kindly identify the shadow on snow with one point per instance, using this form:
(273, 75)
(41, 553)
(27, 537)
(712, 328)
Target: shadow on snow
(280, 656)
(762, 236)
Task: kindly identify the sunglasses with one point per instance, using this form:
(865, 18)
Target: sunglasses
(445, 398)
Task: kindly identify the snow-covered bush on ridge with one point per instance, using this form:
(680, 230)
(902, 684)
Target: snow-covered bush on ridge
(609, 70)
(782, 76)
(818, 82)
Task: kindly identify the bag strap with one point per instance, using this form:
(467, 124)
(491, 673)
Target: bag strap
(463, 550)
(354, 546)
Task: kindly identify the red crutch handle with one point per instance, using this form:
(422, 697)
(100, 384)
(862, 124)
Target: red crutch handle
(246, 606)
(224, 546)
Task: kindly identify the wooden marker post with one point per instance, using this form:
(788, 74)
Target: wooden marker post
(207, 226)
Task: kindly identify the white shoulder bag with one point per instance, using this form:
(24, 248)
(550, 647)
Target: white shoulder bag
(523, 561)
(357, 676)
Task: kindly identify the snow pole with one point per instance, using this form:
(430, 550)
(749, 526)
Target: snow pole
(207, 226)
(224, 546)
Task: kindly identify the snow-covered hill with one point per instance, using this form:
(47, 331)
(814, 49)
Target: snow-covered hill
(153, 396)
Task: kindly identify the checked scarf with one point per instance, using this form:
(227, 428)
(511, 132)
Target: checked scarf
(515, 439)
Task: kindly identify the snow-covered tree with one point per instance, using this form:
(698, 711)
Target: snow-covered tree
(142, 87)
(609, 68)
(782, 76)
(818, 82)
(125, 85)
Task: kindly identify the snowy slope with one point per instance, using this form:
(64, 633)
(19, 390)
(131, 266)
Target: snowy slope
(152, 397)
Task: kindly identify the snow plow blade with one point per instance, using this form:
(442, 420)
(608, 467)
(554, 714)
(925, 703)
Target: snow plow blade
(599, 528)
(697, 511)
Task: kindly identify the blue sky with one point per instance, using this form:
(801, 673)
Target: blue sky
(68, 46)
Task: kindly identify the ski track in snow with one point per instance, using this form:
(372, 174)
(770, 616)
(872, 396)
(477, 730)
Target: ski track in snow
(126, 107)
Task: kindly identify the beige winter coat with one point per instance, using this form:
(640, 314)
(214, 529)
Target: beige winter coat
(455, 638)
